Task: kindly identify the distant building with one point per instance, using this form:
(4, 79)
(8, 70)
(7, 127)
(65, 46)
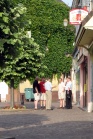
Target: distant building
(3, 91)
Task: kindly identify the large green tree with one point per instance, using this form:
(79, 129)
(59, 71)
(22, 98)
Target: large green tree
(47, 28)
(20, 56)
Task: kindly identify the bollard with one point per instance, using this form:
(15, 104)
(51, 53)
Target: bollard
(22, 100)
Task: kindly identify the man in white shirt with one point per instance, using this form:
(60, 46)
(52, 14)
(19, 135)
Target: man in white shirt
(68, 89)
(48, 88)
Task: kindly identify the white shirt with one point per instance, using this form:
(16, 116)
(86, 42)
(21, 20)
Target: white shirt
(48, 86)
(68, 86)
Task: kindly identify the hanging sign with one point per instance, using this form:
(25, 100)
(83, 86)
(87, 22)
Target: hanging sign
(77, 15)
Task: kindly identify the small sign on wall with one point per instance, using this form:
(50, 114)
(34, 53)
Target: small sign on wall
(77, 15)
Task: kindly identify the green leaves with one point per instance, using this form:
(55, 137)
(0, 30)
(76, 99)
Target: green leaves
(48, 31)
(1, 14)
(25, 57)
(5, 19)
(20, 55)
(6, 31)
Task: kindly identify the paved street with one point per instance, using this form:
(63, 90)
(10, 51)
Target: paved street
(44, 124)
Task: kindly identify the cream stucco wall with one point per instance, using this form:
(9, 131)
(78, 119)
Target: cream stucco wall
(23, 85)
(27, 84)
(55, 83)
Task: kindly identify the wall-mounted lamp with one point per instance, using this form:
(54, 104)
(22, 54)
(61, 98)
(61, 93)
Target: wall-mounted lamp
(29, 34)
(65, 22)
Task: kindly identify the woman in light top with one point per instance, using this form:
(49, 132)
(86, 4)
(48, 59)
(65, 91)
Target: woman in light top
(61, 93)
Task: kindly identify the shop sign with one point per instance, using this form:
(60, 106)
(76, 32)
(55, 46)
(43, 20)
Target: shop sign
(77, 15)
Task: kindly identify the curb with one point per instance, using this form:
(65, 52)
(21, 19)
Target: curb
(7, 138)
(13, 110)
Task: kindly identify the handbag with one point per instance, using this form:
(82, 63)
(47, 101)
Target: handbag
(68, 95)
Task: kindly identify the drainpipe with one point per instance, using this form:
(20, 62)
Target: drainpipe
(90, 85)
(90, 5)
(81, 85)
(90, 107)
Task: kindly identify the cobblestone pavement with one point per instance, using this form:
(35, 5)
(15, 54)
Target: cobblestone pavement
(43, 124)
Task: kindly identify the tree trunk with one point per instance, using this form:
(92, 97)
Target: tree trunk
(12, 93)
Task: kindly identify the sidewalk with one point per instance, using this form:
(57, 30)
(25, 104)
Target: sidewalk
(29, 105)
(43, 124)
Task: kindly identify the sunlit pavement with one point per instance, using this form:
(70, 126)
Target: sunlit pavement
(43, 124)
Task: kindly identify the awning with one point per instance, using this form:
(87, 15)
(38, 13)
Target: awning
(85, 33)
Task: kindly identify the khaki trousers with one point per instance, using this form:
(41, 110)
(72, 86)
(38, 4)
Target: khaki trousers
(48, 99)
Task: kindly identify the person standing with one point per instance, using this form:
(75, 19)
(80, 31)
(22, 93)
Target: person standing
(68, 89)
(36, 91)
(42, 93)
(48, 88)
(61, 93)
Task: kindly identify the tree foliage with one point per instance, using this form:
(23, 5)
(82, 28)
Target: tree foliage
(20, 56)
(48, 31)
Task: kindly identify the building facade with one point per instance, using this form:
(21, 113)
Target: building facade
(83, 56)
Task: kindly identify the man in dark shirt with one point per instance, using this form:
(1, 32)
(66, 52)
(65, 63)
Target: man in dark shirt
(42, 93)
(36, 92)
